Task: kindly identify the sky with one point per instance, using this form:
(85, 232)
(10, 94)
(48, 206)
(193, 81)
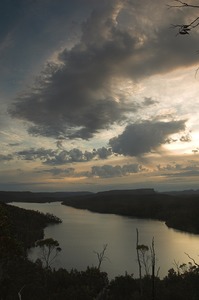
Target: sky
(98, 95)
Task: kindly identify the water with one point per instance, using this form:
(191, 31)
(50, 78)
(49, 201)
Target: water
(84, 233)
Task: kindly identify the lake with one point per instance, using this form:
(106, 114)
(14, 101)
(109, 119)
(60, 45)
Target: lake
(84, 233)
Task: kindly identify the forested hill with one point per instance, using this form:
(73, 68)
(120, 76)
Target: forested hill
(178, 211)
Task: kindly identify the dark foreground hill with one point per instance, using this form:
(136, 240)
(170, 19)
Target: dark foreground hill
(178, 211)
(26, 226)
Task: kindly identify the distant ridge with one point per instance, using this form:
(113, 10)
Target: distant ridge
(26, 196)
(144, 191)
(183, 193)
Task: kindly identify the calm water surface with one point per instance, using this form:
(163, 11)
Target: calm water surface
(83, 232)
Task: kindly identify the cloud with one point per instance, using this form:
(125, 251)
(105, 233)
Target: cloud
(191, 173)
(69, 172)
(140, 138)
(108, 171)
(137, 139)
(7, 157)
(186, 138)
(170, 166)
(80, 96)
(103, 152)
(105, 171)
(76, 155)
(76, 99)
(61, 157)
(148, 101)
(185, 169)
(33, 154)
(31, 32)
(14, 144)
(195, 150)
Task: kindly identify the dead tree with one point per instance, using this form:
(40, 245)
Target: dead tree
(139, 261)
(184, 29)
(101, 256)
(148, 261)
(19, 293)
(153, 261)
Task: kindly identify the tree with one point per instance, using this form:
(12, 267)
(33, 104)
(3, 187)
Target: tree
(148, 261)
(101, 256)
(49, 250)
(139, 261)
(144, 257)
(153, 262)
(185, 28)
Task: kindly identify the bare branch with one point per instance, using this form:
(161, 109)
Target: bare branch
(193, 260)
(152, 248)
(19, 293)
(182, 4)
(139, 262)
(101, 256)
(176, 264)
(185, 28)
(196, 72)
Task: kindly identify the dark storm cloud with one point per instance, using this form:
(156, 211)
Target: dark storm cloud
(61, 157)
(78, 98)
(141, 138)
